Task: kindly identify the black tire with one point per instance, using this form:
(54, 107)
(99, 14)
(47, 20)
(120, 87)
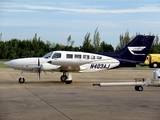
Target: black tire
(155, 65)
(136, 88)
(63, 78)
(68, 82)
(150, 65)
(21, 80)
(139, 88)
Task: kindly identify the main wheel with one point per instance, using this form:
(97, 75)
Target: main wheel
(21, 80)
(68, 81)
(63, 78)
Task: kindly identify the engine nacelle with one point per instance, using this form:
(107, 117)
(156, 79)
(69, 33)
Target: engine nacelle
(48, 67)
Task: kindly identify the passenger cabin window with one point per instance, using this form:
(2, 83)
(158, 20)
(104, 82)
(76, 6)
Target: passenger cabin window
(92, 57)
(99, 57)
(56, 55)
(85, 56)
(77, 56)
(69, 56)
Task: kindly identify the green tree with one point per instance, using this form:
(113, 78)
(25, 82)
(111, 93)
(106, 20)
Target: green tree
(70, 42)
(35, 47)
(1, 45)
(87, 46)
(96, 40)
(57, 47)
(155, 48)
(13, 47)
(5, 50)
(124, 40)
(106, 47)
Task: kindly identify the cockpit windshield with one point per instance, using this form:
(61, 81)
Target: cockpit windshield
(48, 55)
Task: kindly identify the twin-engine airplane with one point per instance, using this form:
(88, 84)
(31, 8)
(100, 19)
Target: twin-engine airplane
(69, 61)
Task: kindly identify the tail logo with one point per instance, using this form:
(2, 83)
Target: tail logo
(136, 49)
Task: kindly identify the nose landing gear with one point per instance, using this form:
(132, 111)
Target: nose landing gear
(21, 79)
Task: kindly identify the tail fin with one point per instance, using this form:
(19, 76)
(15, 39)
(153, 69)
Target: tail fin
(137, 49)
(134, 52)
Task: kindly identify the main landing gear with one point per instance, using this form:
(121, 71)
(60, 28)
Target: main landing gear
(21, 79)
(66, 78)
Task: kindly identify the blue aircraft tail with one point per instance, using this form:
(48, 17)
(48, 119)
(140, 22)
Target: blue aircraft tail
(135, 51)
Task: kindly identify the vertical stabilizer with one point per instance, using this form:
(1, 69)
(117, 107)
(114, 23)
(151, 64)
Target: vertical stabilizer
(137, 49)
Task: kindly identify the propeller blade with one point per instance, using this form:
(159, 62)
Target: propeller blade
(45, 72)
(38, 62)
(39, 70)
(39, 73)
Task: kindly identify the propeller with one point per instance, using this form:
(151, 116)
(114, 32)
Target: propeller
(39, 69)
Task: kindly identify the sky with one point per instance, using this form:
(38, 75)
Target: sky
(55, 20)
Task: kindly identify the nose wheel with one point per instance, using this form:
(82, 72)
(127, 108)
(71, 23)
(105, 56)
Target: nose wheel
(21, 80)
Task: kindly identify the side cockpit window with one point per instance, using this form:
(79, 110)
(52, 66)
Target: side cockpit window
(56, 55)
(48, 55)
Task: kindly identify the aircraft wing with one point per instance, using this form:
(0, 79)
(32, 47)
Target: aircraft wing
(88, 66)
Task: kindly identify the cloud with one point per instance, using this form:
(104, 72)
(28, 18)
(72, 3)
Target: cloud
(81, 9)
(16, 10)
(155, 23)
(145, 9)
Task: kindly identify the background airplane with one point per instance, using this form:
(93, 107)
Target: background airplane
(69, 61)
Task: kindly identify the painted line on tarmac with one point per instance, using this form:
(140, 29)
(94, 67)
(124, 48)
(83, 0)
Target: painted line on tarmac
(48, 103)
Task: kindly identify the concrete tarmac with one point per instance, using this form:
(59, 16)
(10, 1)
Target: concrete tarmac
(50, 99)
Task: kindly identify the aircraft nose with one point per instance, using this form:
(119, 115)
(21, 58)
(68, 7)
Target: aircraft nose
(7, 63)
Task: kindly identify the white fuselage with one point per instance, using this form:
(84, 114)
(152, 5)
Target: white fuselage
(65, 61)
